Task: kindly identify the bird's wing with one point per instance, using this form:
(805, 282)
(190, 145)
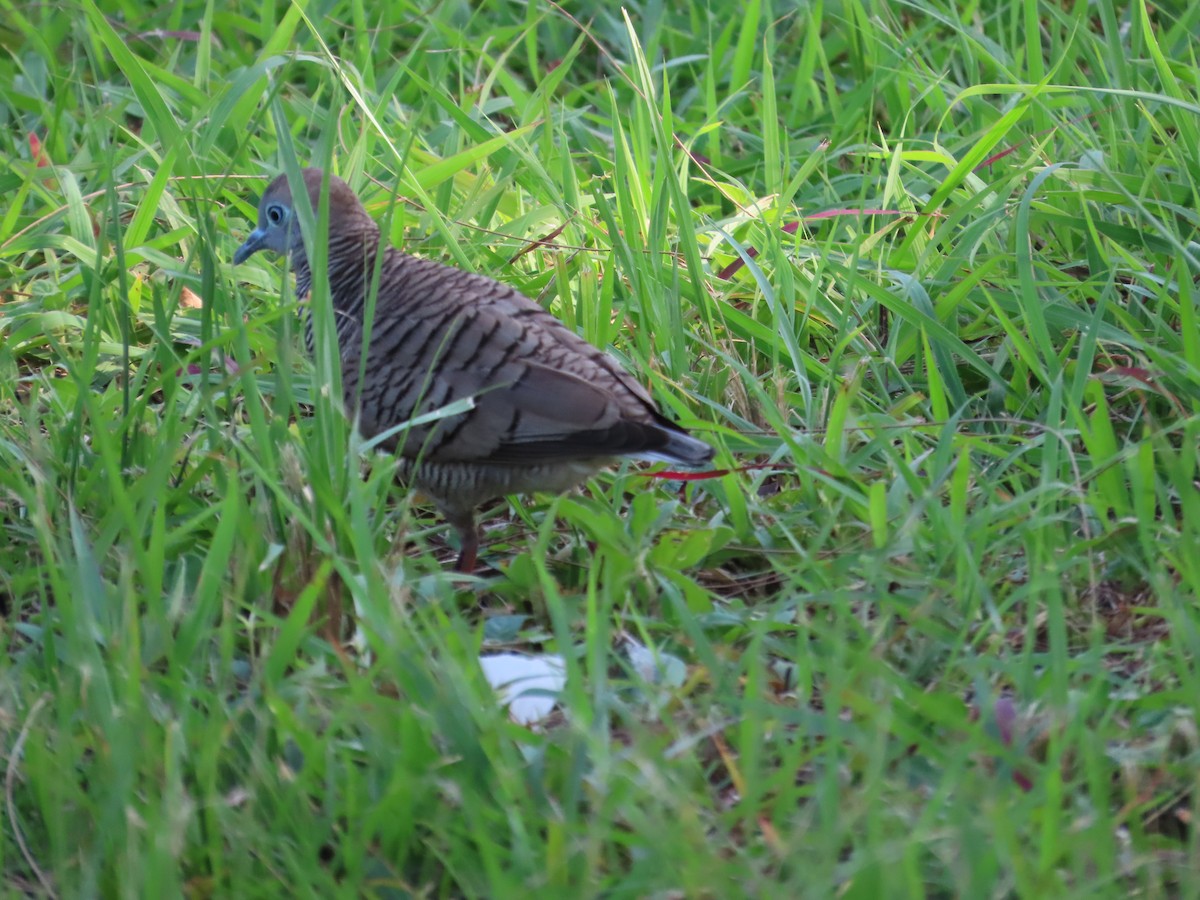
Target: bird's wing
(542, 414)
(540, 392)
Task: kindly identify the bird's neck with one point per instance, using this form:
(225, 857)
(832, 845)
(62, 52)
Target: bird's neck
(349, 264)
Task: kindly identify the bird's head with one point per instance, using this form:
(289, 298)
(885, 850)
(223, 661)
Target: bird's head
(279, 224)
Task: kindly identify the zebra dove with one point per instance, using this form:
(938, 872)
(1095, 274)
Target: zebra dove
(549, 408)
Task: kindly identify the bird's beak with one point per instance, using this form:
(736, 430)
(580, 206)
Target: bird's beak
(256, 240)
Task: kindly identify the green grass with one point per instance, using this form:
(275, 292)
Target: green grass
(925, 274)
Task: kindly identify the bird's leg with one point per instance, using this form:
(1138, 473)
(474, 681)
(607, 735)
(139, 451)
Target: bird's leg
(468, 540)
(468, 537)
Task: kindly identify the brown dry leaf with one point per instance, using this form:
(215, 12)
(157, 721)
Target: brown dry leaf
(189, 299)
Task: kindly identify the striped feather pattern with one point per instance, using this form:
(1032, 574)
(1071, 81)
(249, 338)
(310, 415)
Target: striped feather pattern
(549, 408)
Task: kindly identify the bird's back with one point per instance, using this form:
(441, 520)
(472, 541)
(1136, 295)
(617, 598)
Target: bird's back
(541, 393)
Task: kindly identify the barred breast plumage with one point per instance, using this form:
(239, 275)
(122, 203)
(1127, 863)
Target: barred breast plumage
(549, 408)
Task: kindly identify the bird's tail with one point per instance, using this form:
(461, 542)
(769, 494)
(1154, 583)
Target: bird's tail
(680, 448)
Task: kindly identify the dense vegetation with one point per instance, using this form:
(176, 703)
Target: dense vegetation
(919, 271)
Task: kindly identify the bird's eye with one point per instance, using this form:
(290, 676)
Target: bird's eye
(275, 214)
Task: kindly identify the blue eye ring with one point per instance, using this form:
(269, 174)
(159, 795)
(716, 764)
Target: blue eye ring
(274, 213)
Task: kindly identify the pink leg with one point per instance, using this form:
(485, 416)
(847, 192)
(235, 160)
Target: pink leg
(468, 536)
